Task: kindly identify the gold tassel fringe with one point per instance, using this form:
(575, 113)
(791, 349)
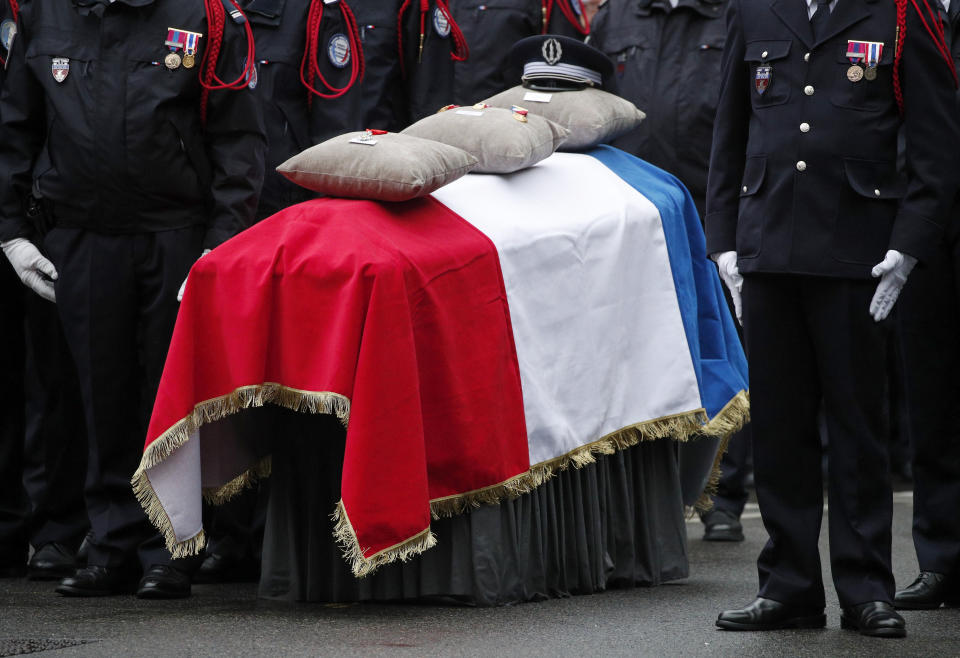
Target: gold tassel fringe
(681, 427)
(220, 495)
(352, 551)
(725, 424)
(209, 411)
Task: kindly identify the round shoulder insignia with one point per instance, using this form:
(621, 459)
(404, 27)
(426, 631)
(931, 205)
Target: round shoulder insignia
(8, 30)
(552, 51)
(440, 23)
(338, 50)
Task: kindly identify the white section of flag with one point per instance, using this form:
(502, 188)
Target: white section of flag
(597, 324)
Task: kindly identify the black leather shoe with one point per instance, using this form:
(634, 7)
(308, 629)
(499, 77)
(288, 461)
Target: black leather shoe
(96, 581)
(873, 618)
(927, 592)
(217, 568)
(768, 615)
(162, 581)
(720, 525)
(52, 561)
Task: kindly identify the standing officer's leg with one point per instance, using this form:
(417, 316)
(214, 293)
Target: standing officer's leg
(785, 392)
(56, 446)
(13, 504)
(928, 323)
(163, 260)
(851, 356)
(97, 301)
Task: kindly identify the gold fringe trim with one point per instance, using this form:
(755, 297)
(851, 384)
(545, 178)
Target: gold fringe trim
(681, 427)
(246, 480)
(209, 411)
(362, 566)
(725, 424)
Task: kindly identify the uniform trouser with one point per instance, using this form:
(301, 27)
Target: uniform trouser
(43, 445)
(117, 297)
(929, 332)
(13, 500)
(808, 338)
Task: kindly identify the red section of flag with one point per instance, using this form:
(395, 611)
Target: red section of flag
(399, 307)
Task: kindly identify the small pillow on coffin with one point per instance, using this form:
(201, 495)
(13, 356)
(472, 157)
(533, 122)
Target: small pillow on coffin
(382, 167)
(592, 116)
(503, 140)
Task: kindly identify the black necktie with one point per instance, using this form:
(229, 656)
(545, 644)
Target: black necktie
(819, 20)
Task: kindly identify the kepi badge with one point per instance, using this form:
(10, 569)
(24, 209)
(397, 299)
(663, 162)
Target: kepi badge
(60, 68)
(761, 80)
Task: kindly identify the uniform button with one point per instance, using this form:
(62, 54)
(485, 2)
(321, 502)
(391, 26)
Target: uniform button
(806, 57)
(808, 90)
(804, 127)
(801, 166)
(764, 54)
(876, 193)
(744, 188)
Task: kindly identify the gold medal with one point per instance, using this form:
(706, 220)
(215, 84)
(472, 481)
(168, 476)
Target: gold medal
(870, 73)
(172, 61)
(188, 61)
(855, 73)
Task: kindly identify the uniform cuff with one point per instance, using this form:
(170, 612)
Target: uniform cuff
(721, 232)
(915, 235)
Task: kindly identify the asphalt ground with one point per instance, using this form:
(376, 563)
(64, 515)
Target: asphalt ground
(672, 620)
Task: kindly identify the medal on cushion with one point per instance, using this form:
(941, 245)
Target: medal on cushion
(175, 40)
(519, 113)
(190, 44)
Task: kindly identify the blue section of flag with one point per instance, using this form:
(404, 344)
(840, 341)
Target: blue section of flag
(715, 348)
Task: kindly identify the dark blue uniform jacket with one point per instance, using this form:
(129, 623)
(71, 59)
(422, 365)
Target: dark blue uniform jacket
(803, 177)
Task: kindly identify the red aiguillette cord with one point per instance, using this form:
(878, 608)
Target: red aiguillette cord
(581, 23)
(216, 18)
(309, 66)
(460, 49)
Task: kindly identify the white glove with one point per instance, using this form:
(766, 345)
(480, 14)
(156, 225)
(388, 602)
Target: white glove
(893, 272)
(183, 286)
(36, 272)
(727, 264)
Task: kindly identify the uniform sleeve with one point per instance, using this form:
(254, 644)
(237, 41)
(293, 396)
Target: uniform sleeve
(236, 146)
(21, 136)
(730, 131)
(932, 135)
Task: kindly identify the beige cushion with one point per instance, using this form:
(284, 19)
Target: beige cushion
(592, 116)
(393, 168)
(500, 142)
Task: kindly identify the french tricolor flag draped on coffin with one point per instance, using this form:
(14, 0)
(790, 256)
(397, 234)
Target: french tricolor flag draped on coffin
(471, 343)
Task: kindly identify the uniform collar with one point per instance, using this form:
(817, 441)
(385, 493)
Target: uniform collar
(87, 6)
(706, 8)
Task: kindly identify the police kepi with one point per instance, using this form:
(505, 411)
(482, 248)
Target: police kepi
(551, 62)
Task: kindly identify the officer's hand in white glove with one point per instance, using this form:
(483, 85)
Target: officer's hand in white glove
(893, 272)
(183, 286)
(727, 264)
(36, 272)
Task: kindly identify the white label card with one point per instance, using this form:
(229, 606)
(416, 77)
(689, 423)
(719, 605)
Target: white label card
(537, 97)
(367, 141)
(471, 113)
